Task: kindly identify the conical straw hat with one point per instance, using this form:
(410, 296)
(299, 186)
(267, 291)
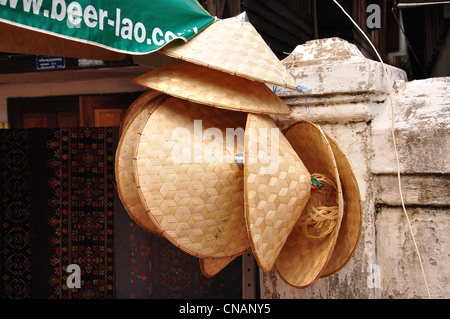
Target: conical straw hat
(211, 267)
(211, 87)
(131, 111)
(125, 180)
(351, 225)
(277, 187)
(194, 198)
(234, 47)
(303, 259)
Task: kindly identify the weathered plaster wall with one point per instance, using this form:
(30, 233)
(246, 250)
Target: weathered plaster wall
(350, 100)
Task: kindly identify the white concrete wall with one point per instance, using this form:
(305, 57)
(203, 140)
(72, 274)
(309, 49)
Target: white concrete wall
(350, 100)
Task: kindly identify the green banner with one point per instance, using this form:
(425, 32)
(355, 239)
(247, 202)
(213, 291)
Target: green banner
(127, 26)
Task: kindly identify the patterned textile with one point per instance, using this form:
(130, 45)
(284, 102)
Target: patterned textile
(83, 211)
(150, 267)
(58, 207)
(15, 215)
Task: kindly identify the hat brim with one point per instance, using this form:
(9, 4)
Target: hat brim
(211, 267)
(130, 113)
(302, 260)
(125, 179)
(214, 88)
(276, 191)
(351, 225)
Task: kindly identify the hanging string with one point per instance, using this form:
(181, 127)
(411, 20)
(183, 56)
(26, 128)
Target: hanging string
(321, 213)
(299, 88)
(276, 89)
(394, 142)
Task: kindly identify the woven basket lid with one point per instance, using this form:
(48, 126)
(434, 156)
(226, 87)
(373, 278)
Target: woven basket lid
(196, 203)
(276, 190)
(302, 259)
(211, 267)
(136, 114)
(234, 47)
(351, 225)
(211, 87)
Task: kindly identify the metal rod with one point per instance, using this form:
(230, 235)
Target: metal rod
(420, 4)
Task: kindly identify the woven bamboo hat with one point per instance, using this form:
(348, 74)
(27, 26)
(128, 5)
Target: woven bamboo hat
(187, 178)
(211, 87)
(211, 267)
(277, 187)
(131, 111)
(125, 180)
(234, 47)
(351, 225)
(310, 244)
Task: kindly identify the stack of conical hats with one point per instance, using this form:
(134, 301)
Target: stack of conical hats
(202, 163)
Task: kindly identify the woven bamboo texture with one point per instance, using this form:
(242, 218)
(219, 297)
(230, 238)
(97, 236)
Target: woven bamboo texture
(351, 226)
(302, 259)
(211, 267)
(274, 199)
(198, 205)
(134, 107)
(234, 47)
(215, 88)
(125, 179)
